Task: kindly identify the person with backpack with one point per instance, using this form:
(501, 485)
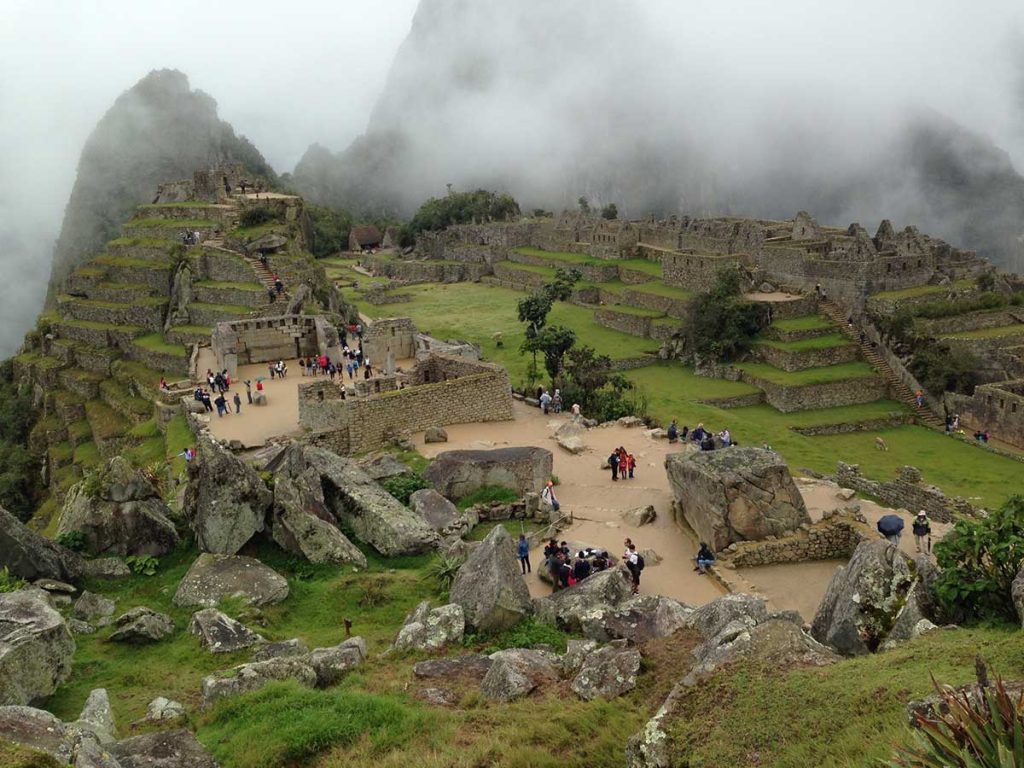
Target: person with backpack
(613, 462)
(581, 568)
(635, 565)
(523, 552)
(922, 528)
(548, 496)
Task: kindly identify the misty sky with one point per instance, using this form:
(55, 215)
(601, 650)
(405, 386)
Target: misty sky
(288, 74)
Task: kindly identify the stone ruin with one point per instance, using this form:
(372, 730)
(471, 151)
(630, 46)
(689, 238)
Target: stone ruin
(906, 491)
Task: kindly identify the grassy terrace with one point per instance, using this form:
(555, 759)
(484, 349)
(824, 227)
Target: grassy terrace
(809, 376)
(957, 467)
(154, 342)
(97, 326)
(234, 309)
(923, 290)
(254, 287)
(251, 233)
(144, 242)
(987, 333)
(149, 301)
(641, 265)
(659, 288)
(628, 310)
(536, 269)
(128, 261)
(803, 345)
(186, 204)
(575, 259)
(157, 221)
(808, 323)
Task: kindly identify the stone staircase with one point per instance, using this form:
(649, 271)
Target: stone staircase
(264, 275)
(896, 385)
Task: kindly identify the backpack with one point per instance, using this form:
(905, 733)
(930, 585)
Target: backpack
(639, 563)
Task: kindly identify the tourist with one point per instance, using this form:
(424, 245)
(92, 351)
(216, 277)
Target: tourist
(565, 577)
(248, 391)
(272, 369)
(600, 562)
(222, 405)
(576, 411)
(548, 496)
(323, 364)
(271, 295)
(613, 462)
(726, 438)
(698, 433)
(553, 563)
(366, 371)
(922, 528)
(311, 366)
(673, 431)
(523, 551)
(545, 402)
(919, 398)
(280, 369)
(705, 559)
(708, 443)
(635, 564)
(238, 402)
(263, 259)
(556, 401)
(630, 464)
(332, 370)
(163, 384)
(278, 285)
(302, 366)
(581, 568)
(956, 422)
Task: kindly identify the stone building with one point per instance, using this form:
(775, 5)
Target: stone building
(364, 238)
(265, 339)
(997, 407)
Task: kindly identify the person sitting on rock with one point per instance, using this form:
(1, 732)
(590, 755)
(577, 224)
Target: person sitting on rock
(708, 443)
(698, 434)
(581, 568)
(673, 431)
(705, 559)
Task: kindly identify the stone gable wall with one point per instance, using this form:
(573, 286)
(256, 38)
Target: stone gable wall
(394, 335)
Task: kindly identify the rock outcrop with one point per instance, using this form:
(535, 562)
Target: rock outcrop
(865, 598)
(489, 586)
(142, 625)
(211, 578)
(427, 629)
(471, 666)
(607, 672)
(439, 513)
(1017, 593)
(92, 607)
(119, 512)
(30, 556)
(163, 749)
(97, 716)
(161, 710)
(303, 525)
(374, 515)
(515, 672)
(435, 435)
(37, 729)
(574, 609)
(226, 501)
(455, 474)
(219, 633)
(735, 494)
(36, 647)
(331, 664)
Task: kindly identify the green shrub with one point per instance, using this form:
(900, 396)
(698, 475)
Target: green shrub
(954, 307)
(142, 565)
(979, 561)
(9, 582)
(983, 733)
(404, 486)
(941, 368)
(257, 216)
(526, 634)
(487, 495)
(73, 540)
(719, 325)
(315, 721)
(442, 570)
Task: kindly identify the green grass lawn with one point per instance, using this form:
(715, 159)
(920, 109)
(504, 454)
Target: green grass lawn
(809, 376)
(987, 333)
(803, 345)
(923, 290)
(807, 323)
(474, 312)
(571, 259)
(641, 265)
(154, 342)
(156, 221)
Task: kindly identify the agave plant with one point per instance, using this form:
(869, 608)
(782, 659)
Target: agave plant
(443, 569)
(983, 731)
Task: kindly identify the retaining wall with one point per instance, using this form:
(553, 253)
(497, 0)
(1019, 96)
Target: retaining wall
(788, 360)
(907, 491)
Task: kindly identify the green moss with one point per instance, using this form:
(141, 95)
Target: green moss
(87, 455)
(61, 452)
(79, 430)
(154, 342)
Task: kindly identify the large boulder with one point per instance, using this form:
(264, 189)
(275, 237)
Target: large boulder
(282, 649)
(435, 435)
(36, 647)
(374, 515)
(383, 466)
(254, 676)
(211, 578)
(331, 664)
(455, 474)
(97, 716)
(579, 606)
(93, 607)
(303, 525)
(162, 710)
(735, 494)
(711, 618)
(30, 556)
(219, 633)
(864, 599)
(163, 749)
(427, 629)
(37, 729)
(1017, 592)
(119, 512)
(142, 625)
(607, 672)
(490, 587)
(638, 620)
(226, 501)
(439, 513)
(515, 672)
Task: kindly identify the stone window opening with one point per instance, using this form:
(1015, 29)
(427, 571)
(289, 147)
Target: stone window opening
(1002, 403)
(1013, 407)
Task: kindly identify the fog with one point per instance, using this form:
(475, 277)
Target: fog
(687, 105)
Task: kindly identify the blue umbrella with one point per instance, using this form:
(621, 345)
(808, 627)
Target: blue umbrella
(890, 525)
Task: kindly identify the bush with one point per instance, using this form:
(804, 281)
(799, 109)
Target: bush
(979, 561)
(941, 368)
(258, 215)
(73, 540)
(987, 732)
(442, 570)
(526, 634)
(404, 486)
(10, 582)
(487, 495)
(142, 565)
(719, 324)
(330, 229)
(21, 488)
(463, 208)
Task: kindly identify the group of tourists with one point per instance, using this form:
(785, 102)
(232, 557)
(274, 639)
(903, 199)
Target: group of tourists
(548, 402)
(277, 288)
(188, 237)
(220, 384)
(566, 567)
(279, 369)
(705, 439)
(953, 428)
(622, 464)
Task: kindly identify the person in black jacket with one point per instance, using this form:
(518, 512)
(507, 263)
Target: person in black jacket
(922, 532)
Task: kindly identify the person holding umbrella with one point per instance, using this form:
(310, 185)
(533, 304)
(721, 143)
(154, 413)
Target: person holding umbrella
(891, 526)
(922, 528)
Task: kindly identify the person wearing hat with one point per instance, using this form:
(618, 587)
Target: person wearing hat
(922, 532)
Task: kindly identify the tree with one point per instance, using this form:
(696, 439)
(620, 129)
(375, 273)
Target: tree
(553, 341)
(719, 324)
(941, 368)
(330, 229)
(533, 310)
(979, 560)
(610, 211)
(463, 208)
(584, 205)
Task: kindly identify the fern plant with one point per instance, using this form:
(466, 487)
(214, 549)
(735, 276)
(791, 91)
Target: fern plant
(143, 565)
(984, 732)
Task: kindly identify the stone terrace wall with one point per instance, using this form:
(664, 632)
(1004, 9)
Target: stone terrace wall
(784, 310)
(832, 538)
(694, 272)
(670, 306)
(810, 358)
(972, 321)
(907, 491)
(356, 425)
(634, 325)
(829, 395)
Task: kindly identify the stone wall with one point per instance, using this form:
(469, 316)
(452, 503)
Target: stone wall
(890, 305)
(361, 424)
(394, 336)
(666, 304)
(158, 361)
(223, 267)
(148, 315)
(259, 340)
(972, 321)
(520, 277)
(789, 360)
(829, 395)
(848, 427)
(245, 297)
(834, 537)
(694, 272)
(627, 322)
(785, 310)
(907, 491)
(998, 408)
(156, 276)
